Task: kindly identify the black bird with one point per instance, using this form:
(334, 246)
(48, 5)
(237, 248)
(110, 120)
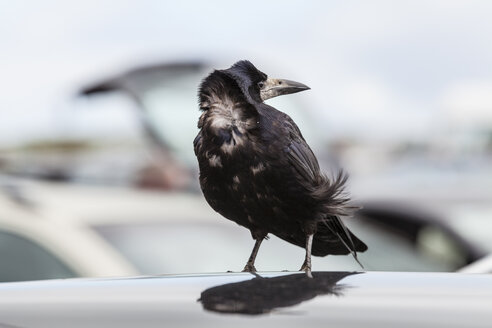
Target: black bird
(257, 170)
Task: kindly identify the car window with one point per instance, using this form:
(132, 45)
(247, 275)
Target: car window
(22, 259)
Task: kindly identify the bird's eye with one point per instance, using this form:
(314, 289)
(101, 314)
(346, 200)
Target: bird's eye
(261, 84)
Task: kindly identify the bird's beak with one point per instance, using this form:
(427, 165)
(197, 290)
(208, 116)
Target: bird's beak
(277, 87)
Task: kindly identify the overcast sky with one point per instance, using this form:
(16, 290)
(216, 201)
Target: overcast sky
(385, 67)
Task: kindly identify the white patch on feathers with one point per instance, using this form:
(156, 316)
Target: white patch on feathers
(215, 161)
(257, 169)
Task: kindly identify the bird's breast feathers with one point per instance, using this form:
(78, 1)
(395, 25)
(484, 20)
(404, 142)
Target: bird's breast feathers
(227, 125)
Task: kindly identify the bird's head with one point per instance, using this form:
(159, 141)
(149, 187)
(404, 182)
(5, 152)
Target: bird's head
(257, 86)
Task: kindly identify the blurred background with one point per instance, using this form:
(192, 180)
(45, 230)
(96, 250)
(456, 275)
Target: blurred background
(98, 113)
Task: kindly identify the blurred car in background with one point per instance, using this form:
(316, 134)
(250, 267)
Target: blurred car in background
(118, 195)
(132, 129)
(57, 230)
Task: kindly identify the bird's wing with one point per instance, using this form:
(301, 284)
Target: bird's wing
(299, 155)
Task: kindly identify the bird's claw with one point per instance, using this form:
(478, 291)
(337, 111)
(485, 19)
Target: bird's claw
(307, 268)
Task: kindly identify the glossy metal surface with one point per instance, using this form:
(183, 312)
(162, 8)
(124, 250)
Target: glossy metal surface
(331, 299)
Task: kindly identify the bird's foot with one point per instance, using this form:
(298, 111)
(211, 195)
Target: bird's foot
(249, 267)
(306, 266)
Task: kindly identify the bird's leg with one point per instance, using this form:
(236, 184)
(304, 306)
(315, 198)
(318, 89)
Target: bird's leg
(250, 266)
(306, 266)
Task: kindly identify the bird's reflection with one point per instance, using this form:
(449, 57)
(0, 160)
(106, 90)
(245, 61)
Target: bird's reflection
(261, 295)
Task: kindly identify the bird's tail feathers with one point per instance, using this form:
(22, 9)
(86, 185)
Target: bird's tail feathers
(335, 203)
(347, 238)
(333, 197)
